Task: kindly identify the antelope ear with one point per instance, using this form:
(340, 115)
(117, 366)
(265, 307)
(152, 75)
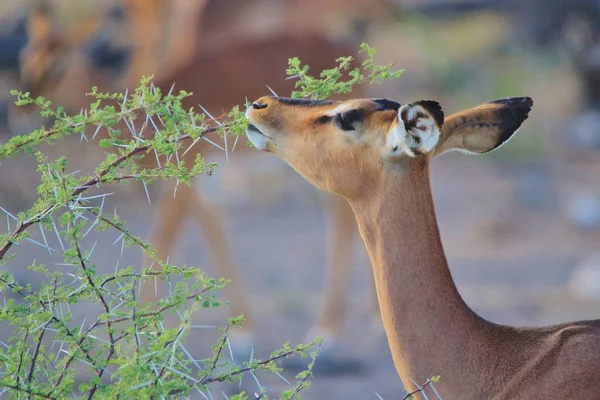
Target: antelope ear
(417, 129)
(484, 128)
(40, 24)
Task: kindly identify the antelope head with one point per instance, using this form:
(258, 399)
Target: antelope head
(350, 148)
(57, 61)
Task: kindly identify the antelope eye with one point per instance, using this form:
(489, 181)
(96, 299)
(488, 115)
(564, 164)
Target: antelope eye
(347, 120)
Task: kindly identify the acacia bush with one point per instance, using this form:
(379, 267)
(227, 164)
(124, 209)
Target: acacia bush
(126, 349)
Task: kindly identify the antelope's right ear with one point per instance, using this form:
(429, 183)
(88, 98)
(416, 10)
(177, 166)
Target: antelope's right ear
(40, 23)
(482, 129)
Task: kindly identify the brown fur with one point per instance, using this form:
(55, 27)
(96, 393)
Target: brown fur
(219, 79)
(251, 20)
(430, 329)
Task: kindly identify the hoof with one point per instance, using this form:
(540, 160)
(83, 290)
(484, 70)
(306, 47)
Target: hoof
(329, 361)
(325, 364)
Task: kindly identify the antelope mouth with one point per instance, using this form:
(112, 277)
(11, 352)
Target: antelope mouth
(257, 138)
(252, 129)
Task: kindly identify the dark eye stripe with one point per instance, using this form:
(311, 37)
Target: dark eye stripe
(323, 120)
(347, 119)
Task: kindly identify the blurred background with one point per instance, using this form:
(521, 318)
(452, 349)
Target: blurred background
(521, 226)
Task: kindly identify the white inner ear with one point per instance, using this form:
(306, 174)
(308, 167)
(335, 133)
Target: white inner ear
(429, 134)
(397, 141)
(424, 135)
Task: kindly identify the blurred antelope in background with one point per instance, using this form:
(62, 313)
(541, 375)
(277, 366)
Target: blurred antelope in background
(222, 66)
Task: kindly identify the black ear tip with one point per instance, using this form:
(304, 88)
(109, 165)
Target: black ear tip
(513, 114)
(527, 100)
(522, 103)
(521, 106)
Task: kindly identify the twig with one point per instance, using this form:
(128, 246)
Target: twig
(133, 275)
(219, 351)
(77, 348)
(92, 182)
(131, 237)
(300, 385)
(28, 391)
(157, 312)
(51, 132)
(21, 359)
(223, 378)
(54, 318)
(419, 389)
(36, 352)
(246, 369)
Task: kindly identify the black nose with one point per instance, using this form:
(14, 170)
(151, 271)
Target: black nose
(259, 106)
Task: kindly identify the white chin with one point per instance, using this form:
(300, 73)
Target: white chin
(258, 140)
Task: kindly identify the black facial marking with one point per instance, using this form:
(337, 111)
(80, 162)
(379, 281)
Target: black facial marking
(11, 44)
(103, 52)
(106, 57)
(304, 103)
(252, 127)
(385, 104)
(404, 115)
(347, 119)
(323, 120)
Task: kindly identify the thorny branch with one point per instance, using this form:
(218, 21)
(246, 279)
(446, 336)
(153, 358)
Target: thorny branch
(91, 183)
(98, 292)
(74, 354)
(131, 237)
(157, 312)
(36, 352)
(223, 378)
(301, 385)
(419, 389)
(136, 370)
(28, 391)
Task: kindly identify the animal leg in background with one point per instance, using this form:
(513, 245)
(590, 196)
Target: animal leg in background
(170, 215)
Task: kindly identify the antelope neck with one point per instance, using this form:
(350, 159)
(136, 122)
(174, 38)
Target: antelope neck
(430, 329)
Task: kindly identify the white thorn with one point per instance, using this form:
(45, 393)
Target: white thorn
(209, 115)
(272, 91)
(213, 143)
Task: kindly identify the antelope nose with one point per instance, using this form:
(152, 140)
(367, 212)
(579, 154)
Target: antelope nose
(259, 105)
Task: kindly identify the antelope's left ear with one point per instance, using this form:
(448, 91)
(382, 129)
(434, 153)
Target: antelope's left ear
(417, 129)
(40, 24)
(482, 129)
